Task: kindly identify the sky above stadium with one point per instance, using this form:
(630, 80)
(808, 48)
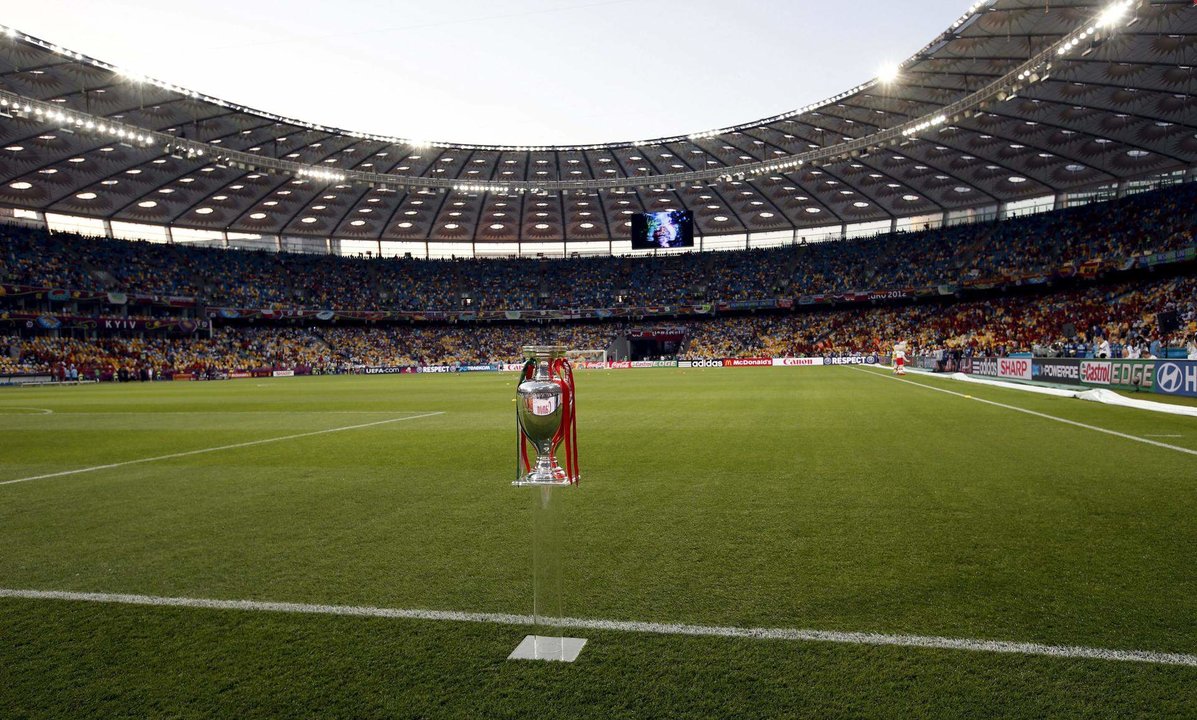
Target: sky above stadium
(512, 72)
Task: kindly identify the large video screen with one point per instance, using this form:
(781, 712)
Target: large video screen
(669, 229)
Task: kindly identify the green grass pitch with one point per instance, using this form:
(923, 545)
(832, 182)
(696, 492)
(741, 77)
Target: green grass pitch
(815, 498)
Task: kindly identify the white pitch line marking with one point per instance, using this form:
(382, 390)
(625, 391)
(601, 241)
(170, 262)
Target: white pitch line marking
(152, 413)
(35, 411)
(1066, 421)
(829, 636)
(214, 449)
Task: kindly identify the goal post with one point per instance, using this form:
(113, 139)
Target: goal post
(577, 357)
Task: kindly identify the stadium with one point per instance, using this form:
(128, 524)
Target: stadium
(884, 406)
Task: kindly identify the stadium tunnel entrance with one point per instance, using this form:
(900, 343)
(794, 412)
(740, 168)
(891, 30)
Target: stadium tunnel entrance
(654, 345)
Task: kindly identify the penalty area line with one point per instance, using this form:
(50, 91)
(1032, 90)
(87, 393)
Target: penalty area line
(201, 451)
(1036, 413)
(827, 636)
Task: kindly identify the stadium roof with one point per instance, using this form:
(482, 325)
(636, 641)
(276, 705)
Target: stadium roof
(1018, 99)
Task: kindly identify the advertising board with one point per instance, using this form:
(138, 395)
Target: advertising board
(1176, 377)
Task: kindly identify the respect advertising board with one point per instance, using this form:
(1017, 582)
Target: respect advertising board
(852, 360)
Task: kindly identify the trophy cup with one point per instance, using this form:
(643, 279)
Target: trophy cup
(545, 419)
(544, 414)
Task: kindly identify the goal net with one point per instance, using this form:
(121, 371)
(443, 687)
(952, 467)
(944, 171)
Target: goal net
(578, 358)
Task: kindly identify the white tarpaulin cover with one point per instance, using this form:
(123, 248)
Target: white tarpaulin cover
(1106, 397)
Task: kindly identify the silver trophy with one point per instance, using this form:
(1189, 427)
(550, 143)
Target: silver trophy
(545, 414)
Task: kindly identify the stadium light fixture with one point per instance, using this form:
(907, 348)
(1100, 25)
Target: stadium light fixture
(1113, 14)
(888, 74)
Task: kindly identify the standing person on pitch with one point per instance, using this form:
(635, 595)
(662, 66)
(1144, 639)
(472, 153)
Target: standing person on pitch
(900, 357)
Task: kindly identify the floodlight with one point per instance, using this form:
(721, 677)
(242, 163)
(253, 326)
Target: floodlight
(1113, 14)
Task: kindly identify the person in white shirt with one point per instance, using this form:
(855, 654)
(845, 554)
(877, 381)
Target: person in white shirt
(1103, 349)
(1132, 351)
(900, 357)
(1192, 348)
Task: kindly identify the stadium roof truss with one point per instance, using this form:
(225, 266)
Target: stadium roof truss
(1018, 99)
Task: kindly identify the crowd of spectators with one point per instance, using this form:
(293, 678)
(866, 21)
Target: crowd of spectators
(322, 350)
(440, 345)
(1066, 323)
(1075, 322)
(1114, 319)
(1039, 244)
(244, 348)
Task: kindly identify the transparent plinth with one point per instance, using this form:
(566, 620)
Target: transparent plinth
(540, 415)
(548, 641)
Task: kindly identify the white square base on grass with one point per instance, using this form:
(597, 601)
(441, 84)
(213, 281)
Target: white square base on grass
(538, 647)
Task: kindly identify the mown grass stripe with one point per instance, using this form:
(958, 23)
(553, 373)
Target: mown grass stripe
(1036, 413)
(250, 443)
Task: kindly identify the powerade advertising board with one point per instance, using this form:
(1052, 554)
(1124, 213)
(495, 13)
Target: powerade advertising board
(1065, 372)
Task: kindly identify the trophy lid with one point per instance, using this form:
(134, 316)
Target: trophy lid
(544, 352)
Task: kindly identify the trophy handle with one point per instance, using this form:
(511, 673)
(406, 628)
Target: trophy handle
(520, 439)
(562, 373)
